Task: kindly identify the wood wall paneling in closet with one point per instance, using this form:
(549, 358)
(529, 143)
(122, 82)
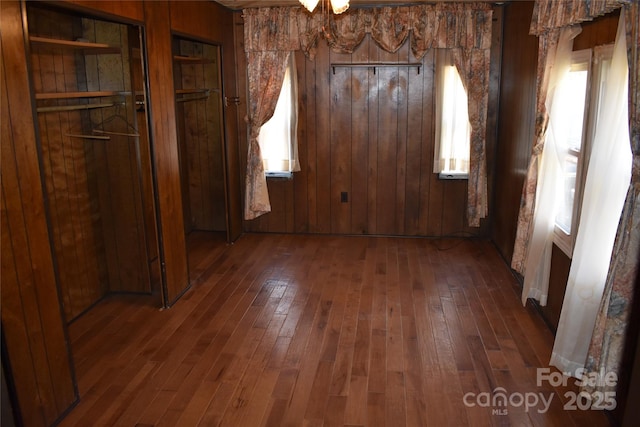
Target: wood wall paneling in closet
(200, 134)
(90, 148)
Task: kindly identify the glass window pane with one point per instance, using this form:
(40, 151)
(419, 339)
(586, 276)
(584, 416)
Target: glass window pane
(565, 213)
(275, 134)
(455, 130)
(575, 89)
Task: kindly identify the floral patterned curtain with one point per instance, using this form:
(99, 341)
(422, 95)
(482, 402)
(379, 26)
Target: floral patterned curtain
(270, 34)
(346, 31)
(470, 39)
(390, 27)
(554, 14)
(266, 74)
(548, 17)
(608, 340)
(547, 45)
(309, 26)
(463, 27)
(425, 22)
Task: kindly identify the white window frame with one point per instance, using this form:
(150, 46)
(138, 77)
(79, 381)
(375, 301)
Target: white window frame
(594, 58)
(282, 129)
(445, 140)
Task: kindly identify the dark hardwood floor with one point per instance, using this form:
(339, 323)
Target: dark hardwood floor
(286, 330)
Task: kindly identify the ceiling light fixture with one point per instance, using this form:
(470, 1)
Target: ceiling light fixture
(338, 6)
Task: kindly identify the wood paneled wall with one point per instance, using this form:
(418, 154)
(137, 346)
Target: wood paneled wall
(32, 321)
(200, 135)
(369, 134)
(212, 23)
(516, 124)
(94, 196)
(130, 9)
(165, 142)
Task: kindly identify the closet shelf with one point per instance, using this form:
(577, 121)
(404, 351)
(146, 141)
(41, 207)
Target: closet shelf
(71, 95)
(57, 108)
(85, 46)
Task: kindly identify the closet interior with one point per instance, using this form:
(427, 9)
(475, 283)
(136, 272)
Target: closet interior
(95, 153)
(200, 121)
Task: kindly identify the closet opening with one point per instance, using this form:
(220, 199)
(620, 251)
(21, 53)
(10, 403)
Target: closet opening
(95, 155)
(201, 143)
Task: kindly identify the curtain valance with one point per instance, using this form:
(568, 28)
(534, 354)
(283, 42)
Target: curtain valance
(549, 15)
(463, 27)
(448, 26)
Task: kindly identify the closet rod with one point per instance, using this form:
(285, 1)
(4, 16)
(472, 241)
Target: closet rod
(106, 132)
(76, 107)
(191, 98)
(188, 91)
(75, 135)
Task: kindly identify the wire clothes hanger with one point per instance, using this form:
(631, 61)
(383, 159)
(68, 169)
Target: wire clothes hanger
(117, 117)
(104, 135)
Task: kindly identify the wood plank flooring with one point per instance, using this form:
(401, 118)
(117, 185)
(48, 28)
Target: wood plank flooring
(286, 330)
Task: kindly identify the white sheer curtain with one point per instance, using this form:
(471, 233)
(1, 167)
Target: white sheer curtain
(606, 185)
(538, 262)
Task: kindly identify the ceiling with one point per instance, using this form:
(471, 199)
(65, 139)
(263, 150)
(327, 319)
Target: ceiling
(242, 4)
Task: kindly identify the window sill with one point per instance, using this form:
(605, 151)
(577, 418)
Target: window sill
(279, 175)
(453, 175)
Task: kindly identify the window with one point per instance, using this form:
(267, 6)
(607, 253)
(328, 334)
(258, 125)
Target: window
(582, 89)
(278, 136)
(453, 131)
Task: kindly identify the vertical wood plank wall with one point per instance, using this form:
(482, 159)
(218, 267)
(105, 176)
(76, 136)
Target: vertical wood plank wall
(32, 320)
(200, 136)
(370, 135)
(33, 325)
(95, 202)
(165, 142)
(516, 125)
(212, 23)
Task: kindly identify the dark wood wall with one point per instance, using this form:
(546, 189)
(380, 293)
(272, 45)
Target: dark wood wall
(212, 23)
(33, 331)
(93, 186)
(33, 325)
(200, 134)
(369, 134)
(516, 124)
